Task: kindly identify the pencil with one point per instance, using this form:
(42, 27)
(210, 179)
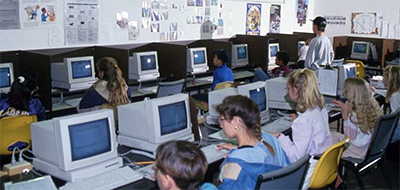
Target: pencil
(145, 162)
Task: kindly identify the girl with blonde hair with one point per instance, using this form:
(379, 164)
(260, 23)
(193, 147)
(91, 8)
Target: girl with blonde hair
(310, 129)
(111, 89)
(391, 79)
(360, 114)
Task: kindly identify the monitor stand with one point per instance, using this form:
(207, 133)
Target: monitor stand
(73, 86)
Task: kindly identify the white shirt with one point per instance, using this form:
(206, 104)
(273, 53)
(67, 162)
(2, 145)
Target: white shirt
(319, 53)
(303, 53)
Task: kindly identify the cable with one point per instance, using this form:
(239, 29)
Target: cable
(13, 160)
(143, 153)
(61, 99)
(20, 159)
(124, 154)
(35, 172)
(212, 128)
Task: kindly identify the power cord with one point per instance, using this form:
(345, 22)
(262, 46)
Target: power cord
(61, 99)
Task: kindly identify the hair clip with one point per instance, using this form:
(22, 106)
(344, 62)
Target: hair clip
(21, 79)
(115, 65)
(302, 71)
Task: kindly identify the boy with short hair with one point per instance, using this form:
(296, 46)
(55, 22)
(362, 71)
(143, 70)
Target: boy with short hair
(282, 60)
(223, 73)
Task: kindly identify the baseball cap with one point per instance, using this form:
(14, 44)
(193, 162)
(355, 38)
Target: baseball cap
(320, 21)
(222, 54)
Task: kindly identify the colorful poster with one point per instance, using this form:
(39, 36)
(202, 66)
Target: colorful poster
(301, 11)
(363, 23)
(253, 20)
(275, 19)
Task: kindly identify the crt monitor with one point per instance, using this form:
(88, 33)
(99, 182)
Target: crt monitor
(146, 124)
(75, 73)
(143, 66)
(360, 50)
(277, 95)
(272, 50)
(196, 60)
(345, 71)
(6, 77)
(240, 56)
(301, 44)
(77, 146)
(214, 98)
(257, 92)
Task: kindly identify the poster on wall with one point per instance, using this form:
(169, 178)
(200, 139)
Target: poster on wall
(275, 19)
(81, 23)
(336, 20)
(301, 11)
(363, 23)
(38, 14)
(9, 15)
(253, 19)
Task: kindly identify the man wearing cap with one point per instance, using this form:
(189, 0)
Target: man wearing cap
(222, 73)
(320, 51)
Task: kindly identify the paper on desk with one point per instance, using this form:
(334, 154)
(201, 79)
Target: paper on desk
(42, 183)
(221, 135)
(327, 80)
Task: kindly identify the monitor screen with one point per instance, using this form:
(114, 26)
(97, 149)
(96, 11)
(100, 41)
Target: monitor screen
(351, 72)
(81, 69)
(89, 139)
(199, 57)
(273, 50)
(148, 62)
(172, 117)
(5, 77)
(360, 48)
(301, 44)
(258, 95)
(241, 53)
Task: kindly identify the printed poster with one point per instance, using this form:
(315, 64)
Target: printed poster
(253, 21)
(275, 19)
(9, 12)
(336, 20)
(37, 14)
(363, 23)
(301, 11)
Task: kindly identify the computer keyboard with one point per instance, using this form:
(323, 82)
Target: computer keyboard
(147, 172)
(108, 180)
(148, 90)
(213, 154)
(204, 79)
(278, 126)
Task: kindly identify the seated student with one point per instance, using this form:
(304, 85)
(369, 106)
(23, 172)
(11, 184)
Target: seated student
(110, 89)
(391, 79)
(282, 60)
(19, 100)
(302, 55)
(181, 165)
(256, 152)
(222, 73)
(359, 113)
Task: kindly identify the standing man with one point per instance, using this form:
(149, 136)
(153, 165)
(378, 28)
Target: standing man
(320, 51)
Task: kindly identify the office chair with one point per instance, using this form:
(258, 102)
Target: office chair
(170, 88)
(384, 130)
(359, 68)
(15, 130)
(223, 85)
(326, 170)
(193, 119)
(289, 177)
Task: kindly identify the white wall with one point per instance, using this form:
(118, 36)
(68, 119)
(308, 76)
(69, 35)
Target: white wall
(388, 9)
(234, 15)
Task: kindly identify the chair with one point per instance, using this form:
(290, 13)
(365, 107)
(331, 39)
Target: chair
(359, 67)
(170, 88)
(202, 104)
(289, 177)
(326, 170)
(193, 119)
(13, 130)
(223, 85)
(384, 130)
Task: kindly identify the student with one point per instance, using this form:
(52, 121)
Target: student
(310, 129)
(282, 60)
(222, 73)
(302, 54)
(111, 89)
(256, 152)
(181, 165)
(19, 100)
(391, 79)
(359, 113)
(320, 51)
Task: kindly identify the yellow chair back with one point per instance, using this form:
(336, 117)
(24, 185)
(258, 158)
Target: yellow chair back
(359, 67)
(223, 85)
(326, 169)
(14, 129)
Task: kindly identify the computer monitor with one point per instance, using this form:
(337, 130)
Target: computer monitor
(257, 92)
(143, 66)
(77, 146)
(272, 50)
(76, 73)
(214, 98)
(240, 56)
(360, 50)
(196, 60)
(145, 125)
(6, 77)
(301, 44)
(277, 95)
(345, 71)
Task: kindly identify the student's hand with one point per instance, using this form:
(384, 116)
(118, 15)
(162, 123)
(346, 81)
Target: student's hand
(294, 116)
(227, 146)
(154, 174)
(372, 88)
(345, 107)
(276, 134)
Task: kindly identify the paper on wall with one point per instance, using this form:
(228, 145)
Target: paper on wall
(385, 29)
(363, 23)
(133, 30)
(9, 12)
(81, 23)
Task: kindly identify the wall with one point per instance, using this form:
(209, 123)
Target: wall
(388, 9)
(233, 13)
